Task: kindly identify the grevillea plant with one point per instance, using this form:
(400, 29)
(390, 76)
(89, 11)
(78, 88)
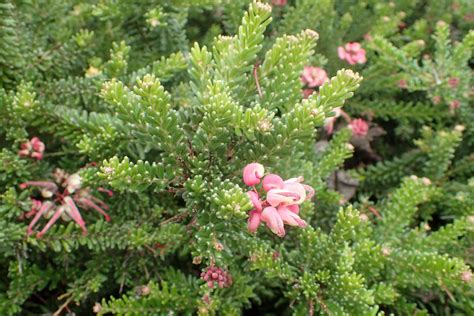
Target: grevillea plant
(266, 157)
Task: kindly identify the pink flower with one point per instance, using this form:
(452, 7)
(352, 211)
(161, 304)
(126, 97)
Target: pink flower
(436, 100)
(368, 37)
(33, 148)
(279, 3)
(253, 173)
(453, 82)
(273, 220)
(61, 200)
(352, 53)
(359, 127)
(281, 205)
(314, 76)
(454, 105)
(402, 84)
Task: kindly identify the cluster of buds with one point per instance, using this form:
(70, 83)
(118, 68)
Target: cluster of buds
(281, 205)
(33, 148)
(60, 198)
(213, 275)
(313, 77)
(353, 53)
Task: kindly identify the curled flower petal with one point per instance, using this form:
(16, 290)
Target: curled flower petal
(253, 173)
(257, 204)
(255, 218)
(273, 220)
(277, 197)
(272, 181)
(294, 208)
(289, 217)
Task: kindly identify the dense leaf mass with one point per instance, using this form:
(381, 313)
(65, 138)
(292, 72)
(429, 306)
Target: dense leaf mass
(126, 126)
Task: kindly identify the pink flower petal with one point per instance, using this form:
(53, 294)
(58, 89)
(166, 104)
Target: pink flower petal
(290, 218)
(272, 181)
(254, 220)
(273, 220)
(257, 204)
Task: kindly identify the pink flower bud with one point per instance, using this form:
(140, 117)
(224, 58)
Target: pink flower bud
(257, 204)
(279, 3)
(253, 173)
(454, 105)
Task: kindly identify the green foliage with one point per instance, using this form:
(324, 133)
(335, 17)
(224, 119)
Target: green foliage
(156, 108)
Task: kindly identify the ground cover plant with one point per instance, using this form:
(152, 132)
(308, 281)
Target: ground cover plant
(214, 157)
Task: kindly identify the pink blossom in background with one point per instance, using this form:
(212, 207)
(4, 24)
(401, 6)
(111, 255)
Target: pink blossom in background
(314, 76)
(368, 37)
(402, 84)
(359, 127)
(352, 52)
(33, 148)
(279, 3)
(454, 105)
(436, 100)
(60, 200)
(453, 82)
(281, 204)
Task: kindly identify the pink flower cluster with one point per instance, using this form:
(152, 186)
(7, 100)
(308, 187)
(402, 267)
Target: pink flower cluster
(352, 52)
(60, 199)
(33, 148)
(314, 76)
(217, 275)
(281, 205)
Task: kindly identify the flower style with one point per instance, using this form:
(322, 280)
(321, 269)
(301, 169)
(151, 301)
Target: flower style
(281, 205)
(353, 53)
(359, 127)
(314, 76)
(60, 199)
(33, 148)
